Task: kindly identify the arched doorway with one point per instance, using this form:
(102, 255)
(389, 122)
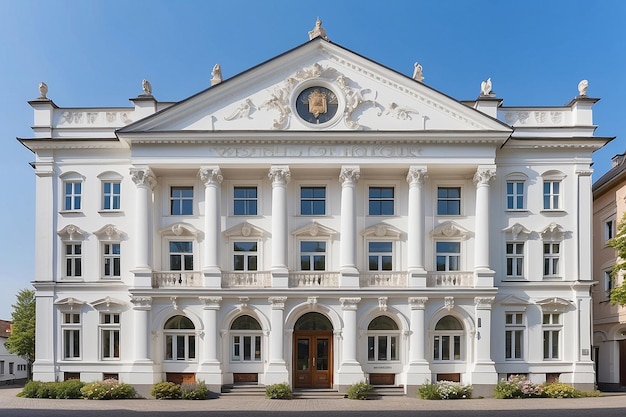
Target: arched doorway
(313, 347)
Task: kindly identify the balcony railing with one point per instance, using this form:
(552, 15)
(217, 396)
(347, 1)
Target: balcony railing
(162, 279)
(450, 279)
(318, 279)
(383, 279)
(246, 279)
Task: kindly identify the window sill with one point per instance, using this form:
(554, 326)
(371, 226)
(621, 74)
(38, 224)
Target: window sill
(515, 279)
(71, 212)
(113, 279)
(522, 210)
(552, 278)
(111, 212)
(555, 211)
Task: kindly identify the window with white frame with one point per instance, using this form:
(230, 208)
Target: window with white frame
(245, 201)
(245, 333)
(73, 259)
(111, 253)
(111, 195)
(553, 190)
(380, 256)
(515, 259)
(181, 201)
(73, 195)
(515, 194)
(448, 256)
(381, 201)
(551, 259)
(447, 340)
(109, 336)
(181, 255)
(245, 256)
(514, 336)
(312, 201)
(552, 329)
(448, 201)
(383, 337)
(312, 255)
(71, 329)
(180, 339)
(609, 229)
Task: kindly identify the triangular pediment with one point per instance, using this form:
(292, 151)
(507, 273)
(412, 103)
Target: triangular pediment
(315, 229)
(316, 87)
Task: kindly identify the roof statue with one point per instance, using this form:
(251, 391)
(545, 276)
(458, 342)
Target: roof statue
(418, 72)
(582, 88)
(485, 88)
(318, 31)
(216, 74)
(147, 87)
(43, 90)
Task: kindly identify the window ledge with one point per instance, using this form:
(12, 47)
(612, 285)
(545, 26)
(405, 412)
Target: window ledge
(559, 211)
(515, 279)
(111, 211)
(70, 212)
(552, 278)
(522, 210)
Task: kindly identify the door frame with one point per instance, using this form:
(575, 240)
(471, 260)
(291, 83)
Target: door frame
(313, 335)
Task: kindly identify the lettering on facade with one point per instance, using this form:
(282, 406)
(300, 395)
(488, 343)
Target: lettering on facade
(317, 151)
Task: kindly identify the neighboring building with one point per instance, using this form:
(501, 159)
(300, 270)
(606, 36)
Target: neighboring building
(609, 321)
(318, 219)
(12, 367)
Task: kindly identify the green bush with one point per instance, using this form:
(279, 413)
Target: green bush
(109, 389)
(31, 389)
(359, 391)
(47, 390)
(166, 391)
(278, 391)
(194, 391)
(561, 390)
(517, 386)
(69, 389)
(445, 390)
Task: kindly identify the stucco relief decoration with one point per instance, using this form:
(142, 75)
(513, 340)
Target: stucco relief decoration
(418, 302)
(70, 303)
(416, 176)
(540, 117)
(510, 117)
(211, 302)
(246, 230)
(349, 303)
(349, 175)
(400, 113)
(174, 301)
(211, 176)
(280, 175)
(483, 176)
(243, 303)
(141, 302)
(382, 303)
(143, 177)
(450, 229)
(71, 232)
(244, 110)
(109, 232)
(556, 116)
(312, 302)
(355, 99)
(523, 117)
(553, 231)
(516, 230)
(278, 303)
(448, 303)
(484, 302)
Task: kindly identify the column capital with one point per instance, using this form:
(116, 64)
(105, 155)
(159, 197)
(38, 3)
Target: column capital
(418, 303)
(417, 175)
(280, 175)
(484, 303)
(278, 303)
(211, 176)
(143, 177)
(141, 303)
(211, 303)
(349, 174)
(349, 303)
(484, 174)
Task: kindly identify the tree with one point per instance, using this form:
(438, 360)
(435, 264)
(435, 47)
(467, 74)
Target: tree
(22, 339)
(618, 293)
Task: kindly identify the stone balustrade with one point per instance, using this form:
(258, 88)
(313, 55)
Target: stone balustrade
(162, 279)
(450, 279)
(319, 279)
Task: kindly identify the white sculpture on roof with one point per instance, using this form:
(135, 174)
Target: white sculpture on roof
(216, 74)
(418, 72)
(485, 87)
(318, 31)
(146, 87)
(582, 88)
(43, 89)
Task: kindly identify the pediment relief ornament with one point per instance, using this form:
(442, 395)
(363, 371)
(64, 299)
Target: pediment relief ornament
(512, 300)
(382, 230)
(516, 230)
(71, 232)
(450, 229)
(553, 231)
(71, 303)
(180, 229)
(245, 229)
(107, 303)
(554, 304)
(315, 229)
(109, 232)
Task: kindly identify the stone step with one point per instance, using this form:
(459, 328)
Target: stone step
(253, 390)
(304, 393)
(388, 391)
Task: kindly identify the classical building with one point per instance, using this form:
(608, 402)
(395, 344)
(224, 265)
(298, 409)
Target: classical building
(319, 219)
(609, 321)
(13, 368)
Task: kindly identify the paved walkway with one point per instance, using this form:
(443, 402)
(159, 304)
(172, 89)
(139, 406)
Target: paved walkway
(610, 405)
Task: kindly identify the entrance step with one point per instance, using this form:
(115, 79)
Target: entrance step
(388, 391)
(308, 394)
(240, 390)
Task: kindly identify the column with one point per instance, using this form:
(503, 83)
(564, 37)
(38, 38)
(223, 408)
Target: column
(145, 182)
(280, 176)
(45, 348)
(583, 373)
(416, 227)
(348, 178)
(277, 367)
(484, 371)
(142, 371)
(584, 211)
(482, 271)
(212, 179)
(210, 370)
(350, 371)
(418, 372)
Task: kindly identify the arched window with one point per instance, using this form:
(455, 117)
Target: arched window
(313, 321)
(447, 340)
(180, 339)
(382, 340)
(246, 339)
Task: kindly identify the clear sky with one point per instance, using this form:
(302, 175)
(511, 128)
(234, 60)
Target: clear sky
(95, 53)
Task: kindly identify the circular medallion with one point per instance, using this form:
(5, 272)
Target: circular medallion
(316, 105)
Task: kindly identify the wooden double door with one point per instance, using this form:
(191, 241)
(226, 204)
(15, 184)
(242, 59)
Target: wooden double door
(312, 358)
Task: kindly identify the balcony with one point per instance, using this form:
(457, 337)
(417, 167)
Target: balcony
(318, 279)
(246, 279)
(383, 279)
(169, 279)
(450, 279)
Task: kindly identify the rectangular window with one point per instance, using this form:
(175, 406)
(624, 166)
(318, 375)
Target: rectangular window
(181, 201)
(447, 347)
(609, 230)
(551, 195)
(312, 256)
(551, 335)
(73, 260)
(1, 367)
(608, 281)
(245, 256)
(72, 195)
(448, 201)
(246, 348)
(381, 201)
(112, 260)
(11, 366)
(181, 256)
(514, 336)
(448, 256)
(111, 195)
(515, 260)
(515, 195)
(110, 335)
(71, 335)
(380, 256)
(551, 256)
(313, 201)
(382, 348)
(245, 201)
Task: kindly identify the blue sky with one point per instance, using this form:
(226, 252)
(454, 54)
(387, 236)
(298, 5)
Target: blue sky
(95, 53)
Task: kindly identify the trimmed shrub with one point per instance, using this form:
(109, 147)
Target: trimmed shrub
(47, 390)
(195, 391)
(359, 391)
(445, 390)
(561, 390)
(280, 391)
(517, 386)
(166, 391)
(69, 389)
(30, 389)
(109, 389)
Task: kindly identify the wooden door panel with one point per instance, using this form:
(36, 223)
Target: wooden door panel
(312, 360)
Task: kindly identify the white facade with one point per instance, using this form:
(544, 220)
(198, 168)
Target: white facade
(12, 367)
(230, 237)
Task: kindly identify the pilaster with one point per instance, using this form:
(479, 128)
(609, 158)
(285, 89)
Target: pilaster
(418, 370)
(350, 371)
(482, 270)
(280, 176)
(416, 227)
(145, 181)
(142, 366)
(210, 370)
(276, 371)
(484, 372)
(212, 179)
(348, 178)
